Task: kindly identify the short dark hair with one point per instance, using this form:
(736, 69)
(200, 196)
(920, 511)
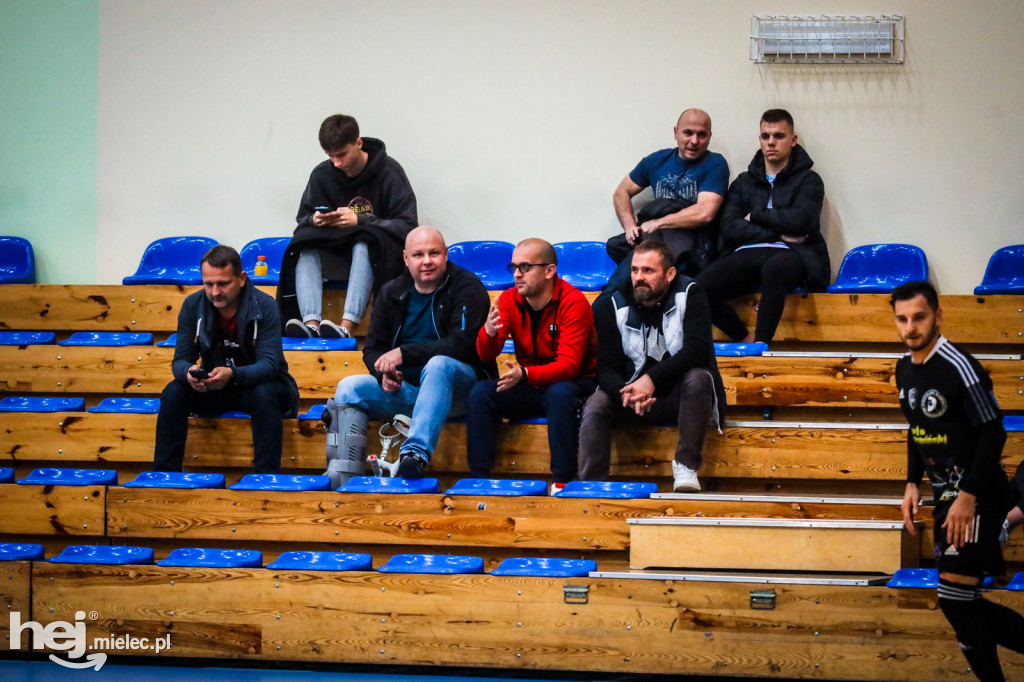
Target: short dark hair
(221, 256)
(777, 116)
(909, 290)
(665, 253)
(337, 132)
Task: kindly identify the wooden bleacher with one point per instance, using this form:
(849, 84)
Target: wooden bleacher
(836, 431)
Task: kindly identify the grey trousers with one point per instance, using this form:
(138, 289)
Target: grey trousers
(690, 405)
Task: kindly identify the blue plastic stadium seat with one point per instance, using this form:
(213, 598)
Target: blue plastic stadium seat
(879, 268)
(433, 563)
(172, 260)
(213, 558)
(6, 475)
(169, 342)
(322, 561)
(108, 339)
(289, 343)
(608, 490)
(489, 260)
(27, 338)
(1017, 584)
(282, 482)
(103, 554)
(385, 484)
(38, 403)
(58, 476)
(509, 346)
(1013, 423)
(128, 405)
(175, 479)
(313, 413)
(728, 349)
(17, 551)
(585, 265)
(271, 247)
(17, 262)
(915, 577)
(232, 414)
(497, 487)
(1005, 272)
(546, 568)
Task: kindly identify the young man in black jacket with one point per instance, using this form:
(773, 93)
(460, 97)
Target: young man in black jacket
(227, 356)
(421, 354)
(354, 215)
(770, 232)
(655, 363)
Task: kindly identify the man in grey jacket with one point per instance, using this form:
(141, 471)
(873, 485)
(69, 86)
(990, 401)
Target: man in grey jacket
(228, 356)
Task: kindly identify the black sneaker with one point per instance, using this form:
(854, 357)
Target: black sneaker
(297, 329)
(411, 466)
(329, 330)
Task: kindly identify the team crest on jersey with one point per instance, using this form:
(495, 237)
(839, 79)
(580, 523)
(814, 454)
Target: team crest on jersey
(933, 404)
(912, 397)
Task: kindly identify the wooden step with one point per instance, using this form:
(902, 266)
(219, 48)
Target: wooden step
(772, 544)
(749, 381)
(53, 510)
(615, 625)
(830, 318)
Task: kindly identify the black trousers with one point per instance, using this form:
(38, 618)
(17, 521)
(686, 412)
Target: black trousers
(776, 271)
(267, 403)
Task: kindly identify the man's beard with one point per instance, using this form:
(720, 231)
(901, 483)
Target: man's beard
(925, 340)
(645, 293)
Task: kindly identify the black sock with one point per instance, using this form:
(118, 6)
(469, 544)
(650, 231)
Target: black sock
(967, 616)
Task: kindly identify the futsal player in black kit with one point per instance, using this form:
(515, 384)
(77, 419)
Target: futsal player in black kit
(956, 435)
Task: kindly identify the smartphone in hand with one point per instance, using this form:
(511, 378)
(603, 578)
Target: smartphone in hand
(199, 373)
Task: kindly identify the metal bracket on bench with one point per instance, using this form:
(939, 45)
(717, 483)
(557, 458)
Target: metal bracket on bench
(762, 600)
(576, 594)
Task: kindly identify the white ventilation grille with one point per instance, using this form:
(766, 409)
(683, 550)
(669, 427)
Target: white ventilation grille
(777, 39)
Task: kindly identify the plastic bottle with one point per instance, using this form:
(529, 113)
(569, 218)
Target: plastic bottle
(260, 270)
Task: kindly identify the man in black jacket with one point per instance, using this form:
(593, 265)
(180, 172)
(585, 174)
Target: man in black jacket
(227, 356)
(354, 215)
(655, 363)
(771, 232)
(421, 354)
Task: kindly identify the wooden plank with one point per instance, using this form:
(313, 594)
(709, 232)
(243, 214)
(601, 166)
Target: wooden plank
(751, 381)
(805, 453)
(832, 318)
(15, 595)
(856, 547)
(52, 510)
(626, 626)
(435, 520)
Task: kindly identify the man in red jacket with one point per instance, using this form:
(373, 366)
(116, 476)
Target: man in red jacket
(552, 326)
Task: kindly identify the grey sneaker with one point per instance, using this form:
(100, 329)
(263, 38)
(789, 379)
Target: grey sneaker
(684, 479)
(297, 329)
(329, 330)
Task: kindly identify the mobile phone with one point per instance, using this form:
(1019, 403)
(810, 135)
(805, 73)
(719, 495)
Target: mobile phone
(324, 209)
(199, 373)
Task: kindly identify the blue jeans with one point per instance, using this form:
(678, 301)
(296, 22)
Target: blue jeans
(444, 387)
(561, 403)
(309, 283)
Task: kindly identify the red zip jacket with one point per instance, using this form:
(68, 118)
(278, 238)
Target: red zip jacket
(566, 341)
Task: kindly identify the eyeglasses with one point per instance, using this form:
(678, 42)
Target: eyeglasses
(525, 267)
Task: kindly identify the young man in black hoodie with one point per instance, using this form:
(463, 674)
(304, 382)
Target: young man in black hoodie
(354, 215)
(771, 232)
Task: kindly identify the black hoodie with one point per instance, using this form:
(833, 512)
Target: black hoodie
(386, 205)
(797, 197)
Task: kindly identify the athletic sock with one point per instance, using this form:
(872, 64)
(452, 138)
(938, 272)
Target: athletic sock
(966, 614)
(1006, 624)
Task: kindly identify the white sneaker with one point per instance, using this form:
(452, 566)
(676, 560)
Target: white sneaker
(685, 479)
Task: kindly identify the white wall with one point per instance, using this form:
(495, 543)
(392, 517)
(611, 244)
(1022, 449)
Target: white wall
(518, 119)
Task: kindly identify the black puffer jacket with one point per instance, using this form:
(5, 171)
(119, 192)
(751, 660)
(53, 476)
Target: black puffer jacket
(797, 198)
